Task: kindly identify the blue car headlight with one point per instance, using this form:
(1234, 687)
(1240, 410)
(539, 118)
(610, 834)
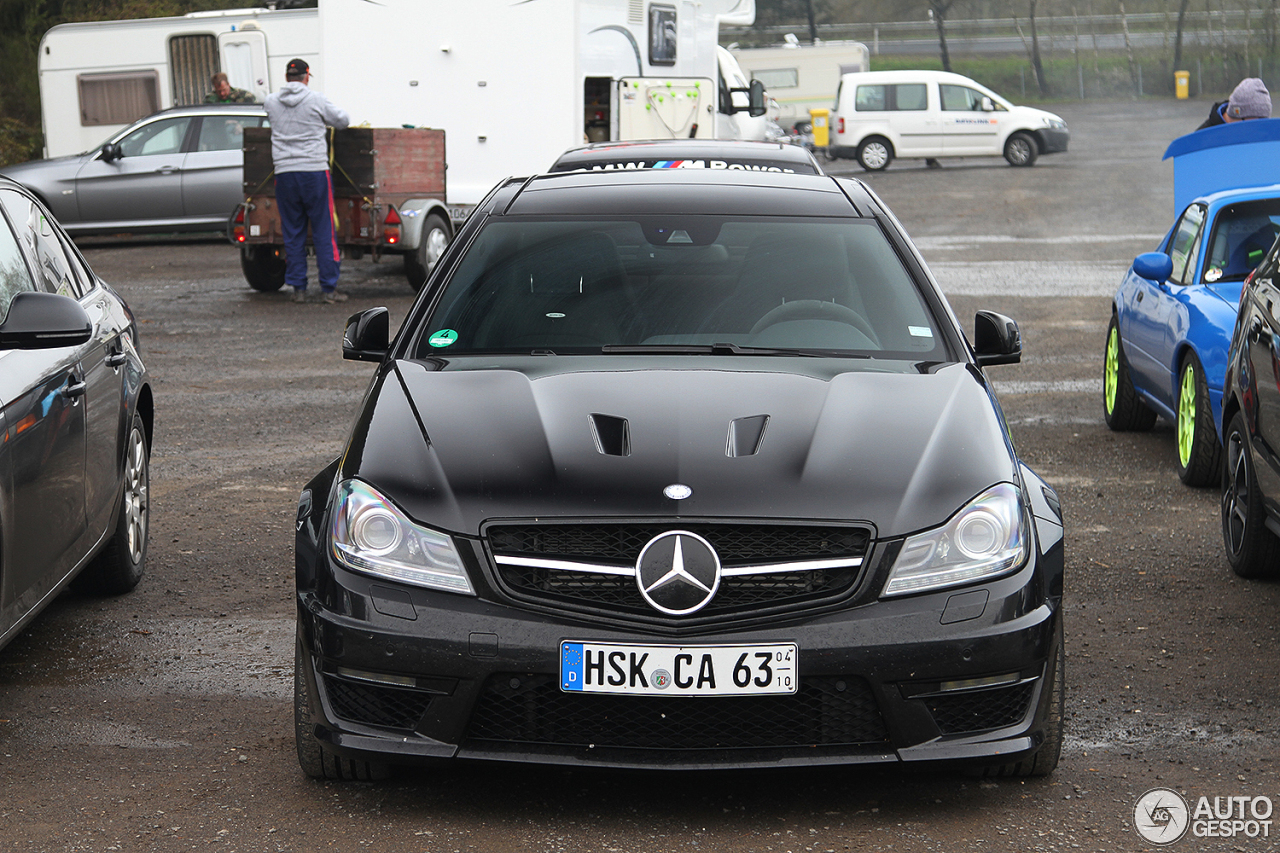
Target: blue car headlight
(989, 537)
(371, 536)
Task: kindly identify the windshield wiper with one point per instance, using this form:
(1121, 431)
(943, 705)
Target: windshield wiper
(717, 349)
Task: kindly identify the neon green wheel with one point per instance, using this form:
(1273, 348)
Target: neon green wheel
(1110, 377)
(1187, 414)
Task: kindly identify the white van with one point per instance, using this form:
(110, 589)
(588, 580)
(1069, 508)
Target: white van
(880, 115)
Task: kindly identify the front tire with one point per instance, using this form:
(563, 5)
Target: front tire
(1121, 407)
(1021, 149)
(875, 153)
(1252, 550)
(1199, 456)
(435, 239)
(263, 267)
(313, 758)
(122, 561)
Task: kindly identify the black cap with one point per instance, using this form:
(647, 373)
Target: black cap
(296, 67)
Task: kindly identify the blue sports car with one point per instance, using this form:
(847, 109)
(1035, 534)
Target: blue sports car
(1172, 317)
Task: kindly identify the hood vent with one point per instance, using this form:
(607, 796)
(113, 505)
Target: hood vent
(746, 435)
(612, 434)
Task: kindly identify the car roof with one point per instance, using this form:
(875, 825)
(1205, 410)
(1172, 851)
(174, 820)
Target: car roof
(197, 109)
(1240, 194)
(683, 191)
(684, 153)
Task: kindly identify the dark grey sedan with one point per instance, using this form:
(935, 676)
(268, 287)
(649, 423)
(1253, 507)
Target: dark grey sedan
(75, 421)
(176, 170)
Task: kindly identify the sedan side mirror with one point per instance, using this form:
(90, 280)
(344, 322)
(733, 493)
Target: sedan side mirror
(996, 339)
(1156, 266)
(367, 335)
(111, 152)
(44, 321)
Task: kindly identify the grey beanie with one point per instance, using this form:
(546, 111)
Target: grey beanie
(1250, 100)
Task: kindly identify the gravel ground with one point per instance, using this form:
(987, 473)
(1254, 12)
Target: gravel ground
(162, 720)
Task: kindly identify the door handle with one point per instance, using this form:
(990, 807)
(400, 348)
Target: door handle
(1140, 293)
(74, 388)
(166, 170)
(117, 358)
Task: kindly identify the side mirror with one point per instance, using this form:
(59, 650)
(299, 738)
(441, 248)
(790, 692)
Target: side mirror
(996, 339)
(44, 321)
(987, 105)
(111, 152)
(367, 335)
(755, 99)
(1155, 266)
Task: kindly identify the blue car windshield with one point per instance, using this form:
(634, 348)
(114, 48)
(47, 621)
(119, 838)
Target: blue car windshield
(577, 286)
(1242, 234)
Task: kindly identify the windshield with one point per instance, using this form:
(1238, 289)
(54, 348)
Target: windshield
(1241, 236)
(682, 284)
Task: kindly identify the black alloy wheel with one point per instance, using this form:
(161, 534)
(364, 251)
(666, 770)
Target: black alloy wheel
(1252, 550)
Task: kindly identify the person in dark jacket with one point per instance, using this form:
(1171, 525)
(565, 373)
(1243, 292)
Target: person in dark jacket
(304, 191)
(224, 93)
(1250, 99)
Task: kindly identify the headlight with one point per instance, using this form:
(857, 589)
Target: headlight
(371, 536)
(987, 538)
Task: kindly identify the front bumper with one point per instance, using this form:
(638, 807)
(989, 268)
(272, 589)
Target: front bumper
(396, 673)
(1054, 141)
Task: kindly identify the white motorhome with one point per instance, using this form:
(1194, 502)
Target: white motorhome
(801, 77)
(98, 77)
(536, 78)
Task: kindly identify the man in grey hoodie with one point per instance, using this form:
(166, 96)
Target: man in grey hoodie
(304, 190)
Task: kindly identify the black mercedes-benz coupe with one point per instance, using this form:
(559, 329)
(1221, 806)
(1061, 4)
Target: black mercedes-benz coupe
(679, 469)
(75, 421)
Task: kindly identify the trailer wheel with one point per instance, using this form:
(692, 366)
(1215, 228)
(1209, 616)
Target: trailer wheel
(263, 267)
(435, 239)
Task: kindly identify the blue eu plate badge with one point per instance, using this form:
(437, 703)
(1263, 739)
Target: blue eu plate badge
(571, 666)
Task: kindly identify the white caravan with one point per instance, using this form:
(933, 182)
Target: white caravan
(98, 77)
(801, 77)
(515, 84)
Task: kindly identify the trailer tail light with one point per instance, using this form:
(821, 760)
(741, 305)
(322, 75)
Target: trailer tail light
(840, 125)
(391, 227)
(237, 225)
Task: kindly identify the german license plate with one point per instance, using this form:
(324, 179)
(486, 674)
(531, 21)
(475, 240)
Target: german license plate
(678, 670)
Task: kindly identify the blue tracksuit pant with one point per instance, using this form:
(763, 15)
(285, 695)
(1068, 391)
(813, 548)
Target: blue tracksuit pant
(307, 197)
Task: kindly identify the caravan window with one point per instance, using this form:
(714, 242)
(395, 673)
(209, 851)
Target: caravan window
(662, 35)
(117, 98)
(193, 60)
(778, 78)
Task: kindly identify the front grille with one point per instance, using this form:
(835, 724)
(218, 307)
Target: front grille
(531, 709)
(735, 544)
(376, 704)
(981, 710)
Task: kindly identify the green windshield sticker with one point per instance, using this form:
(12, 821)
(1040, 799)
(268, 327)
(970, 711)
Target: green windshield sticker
(443, 338)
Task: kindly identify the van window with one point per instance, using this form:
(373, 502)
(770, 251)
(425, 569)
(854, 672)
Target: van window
(117, 98)
(964, 99)
(885, 97)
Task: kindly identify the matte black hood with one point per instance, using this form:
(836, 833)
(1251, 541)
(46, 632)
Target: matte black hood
(843, 440)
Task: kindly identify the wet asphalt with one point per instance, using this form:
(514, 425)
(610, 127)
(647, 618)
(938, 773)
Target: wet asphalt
(162, 720)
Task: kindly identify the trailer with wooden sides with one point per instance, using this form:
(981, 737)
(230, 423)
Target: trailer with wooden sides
(388, 194)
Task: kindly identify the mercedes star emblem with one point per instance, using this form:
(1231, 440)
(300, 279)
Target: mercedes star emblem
(678, 572)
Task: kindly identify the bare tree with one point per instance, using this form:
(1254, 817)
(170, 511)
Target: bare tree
(939, 9)
(1177, 39)
(1035, 54)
